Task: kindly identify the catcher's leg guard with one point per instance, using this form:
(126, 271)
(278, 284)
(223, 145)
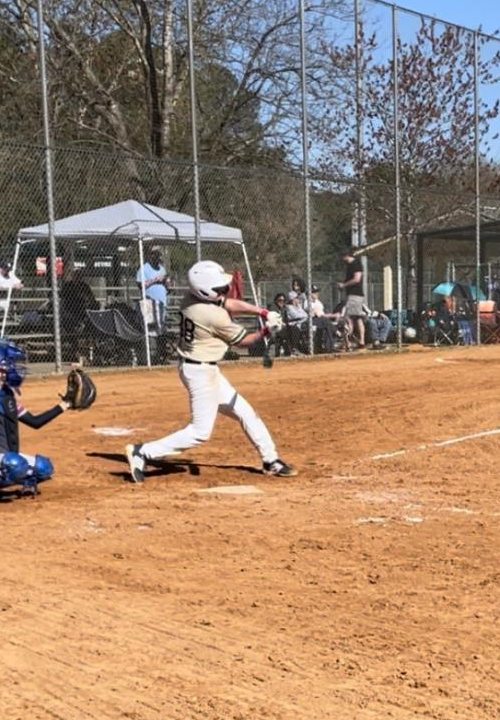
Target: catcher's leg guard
(42, 469)
(13, 469)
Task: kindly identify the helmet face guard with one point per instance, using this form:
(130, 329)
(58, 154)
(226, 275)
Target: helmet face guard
(221, 290)
(11, 359)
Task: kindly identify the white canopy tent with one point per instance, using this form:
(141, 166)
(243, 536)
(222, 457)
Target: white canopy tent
(134, 221)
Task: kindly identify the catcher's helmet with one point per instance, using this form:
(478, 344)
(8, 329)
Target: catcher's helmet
(208, 281)
(10, 357)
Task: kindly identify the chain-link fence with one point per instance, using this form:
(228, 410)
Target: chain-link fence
(378, 129)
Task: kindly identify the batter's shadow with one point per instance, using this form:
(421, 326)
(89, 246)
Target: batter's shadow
(161, 468)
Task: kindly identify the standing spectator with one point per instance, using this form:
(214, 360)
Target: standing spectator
(155, 277)
(8, 280)
(76, 298)
(156, 285)
(353, 284)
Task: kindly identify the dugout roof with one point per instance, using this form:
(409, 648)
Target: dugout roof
(489, 232)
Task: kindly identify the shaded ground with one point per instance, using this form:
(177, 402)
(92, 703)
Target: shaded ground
(363, 589)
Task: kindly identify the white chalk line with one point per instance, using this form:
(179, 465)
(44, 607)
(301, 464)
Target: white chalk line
(442, 443)
(115, 431)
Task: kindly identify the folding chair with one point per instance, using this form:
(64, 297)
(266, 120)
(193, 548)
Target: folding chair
(440, 327)
(127, 339)
(344, 336)
(489, 321)
(445, 332)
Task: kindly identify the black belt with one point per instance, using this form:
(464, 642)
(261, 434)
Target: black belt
(198, 362)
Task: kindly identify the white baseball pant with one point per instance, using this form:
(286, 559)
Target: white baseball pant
(30, 458)
(210, 393)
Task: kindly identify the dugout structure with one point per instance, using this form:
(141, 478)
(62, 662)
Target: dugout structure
(488, 234)
(126, 223)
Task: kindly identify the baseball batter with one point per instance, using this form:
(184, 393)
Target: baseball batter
(206, 331)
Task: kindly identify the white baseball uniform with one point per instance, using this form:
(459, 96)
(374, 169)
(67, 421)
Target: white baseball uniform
(206, 331)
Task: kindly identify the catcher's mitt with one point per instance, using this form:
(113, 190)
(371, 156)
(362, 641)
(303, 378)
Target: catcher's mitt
(80, 390)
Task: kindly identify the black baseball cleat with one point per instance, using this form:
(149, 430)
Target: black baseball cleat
(278, 468)
(136, 461)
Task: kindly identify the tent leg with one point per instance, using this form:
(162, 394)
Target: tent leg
(254, 289)
(143, 291)
(250, 276)
(9, 291)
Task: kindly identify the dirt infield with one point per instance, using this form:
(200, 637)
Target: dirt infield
(363, 589)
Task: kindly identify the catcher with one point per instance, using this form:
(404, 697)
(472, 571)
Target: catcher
(18, 468)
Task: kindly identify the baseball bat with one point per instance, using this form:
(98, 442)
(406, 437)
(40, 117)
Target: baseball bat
(267, 359)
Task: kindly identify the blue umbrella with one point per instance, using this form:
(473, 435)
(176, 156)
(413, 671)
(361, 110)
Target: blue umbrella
(444, 288)
(447, 288)
(477, 294)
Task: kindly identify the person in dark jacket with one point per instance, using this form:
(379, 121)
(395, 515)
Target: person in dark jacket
(76, 298)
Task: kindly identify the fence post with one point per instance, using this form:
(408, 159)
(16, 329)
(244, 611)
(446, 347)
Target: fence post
(305, 169)
(50, 190)
(143, 303)
(477, 187)
(194, 131)
(397, 180)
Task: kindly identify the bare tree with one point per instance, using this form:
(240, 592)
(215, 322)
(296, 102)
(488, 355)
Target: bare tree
(119, 71)
(436, 127)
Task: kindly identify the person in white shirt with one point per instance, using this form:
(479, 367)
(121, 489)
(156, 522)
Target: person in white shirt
(7, 280)
(155, 277)
(322, 322)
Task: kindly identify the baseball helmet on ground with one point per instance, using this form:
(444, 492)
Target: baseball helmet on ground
(208, 281)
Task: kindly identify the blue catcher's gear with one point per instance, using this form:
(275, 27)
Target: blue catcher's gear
(43, 468)
(14, 468)
(10, 357)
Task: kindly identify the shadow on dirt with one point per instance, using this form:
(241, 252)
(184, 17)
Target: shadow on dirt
(7, 496)
(164, 467)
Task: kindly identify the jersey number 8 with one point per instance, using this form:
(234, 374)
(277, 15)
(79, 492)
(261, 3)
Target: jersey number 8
(187, 329)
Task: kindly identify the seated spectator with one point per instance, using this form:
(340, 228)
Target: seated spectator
(295, 313)
(322, 321)
(281, 338)
(296, 319)
(379, 327)
(446, 318)
(76, 298)
(299, 287)
(7, 280)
